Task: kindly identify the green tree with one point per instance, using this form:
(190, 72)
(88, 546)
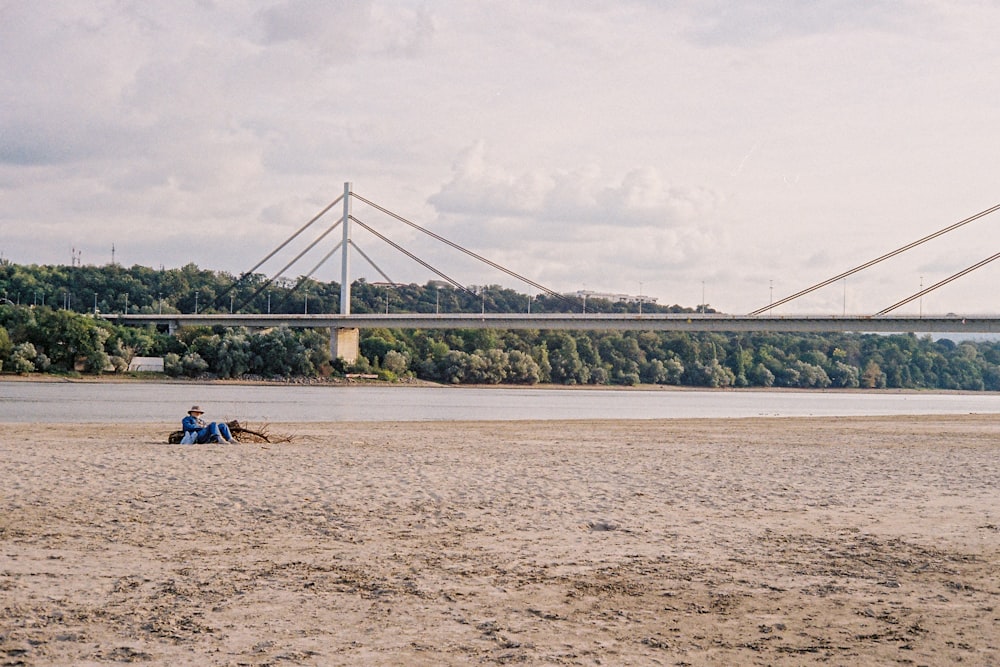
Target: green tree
(523, 369)
(22, 358)
(396, 362)
(565, 364)
(6, 347)
(873, 377)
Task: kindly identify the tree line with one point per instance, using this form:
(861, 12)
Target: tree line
(189, 289)
(49, 326)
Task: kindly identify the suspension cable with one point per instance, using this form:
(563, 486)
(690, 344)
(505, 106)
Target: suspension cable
(873, 262)
(414, 257)
(323, 261)
(937, 285)
(285, 268)
(437, 237)
(303, 279)
(256, 266)
(370, 261)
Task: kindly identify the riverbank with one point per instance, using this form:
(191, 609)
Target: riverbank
(740, 541)
(358, 381)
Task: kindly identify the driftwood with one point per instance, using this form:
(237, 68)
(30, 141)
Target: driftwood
(241, 433)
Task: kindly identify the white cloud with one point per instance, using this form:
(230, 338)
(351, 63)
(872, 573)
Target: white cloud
(722, 23)
(639, 198)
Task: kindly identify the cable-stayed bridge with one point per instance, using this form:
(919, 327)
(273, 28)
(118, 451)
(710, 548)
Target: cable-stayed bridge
(693, 322)
(345, 325)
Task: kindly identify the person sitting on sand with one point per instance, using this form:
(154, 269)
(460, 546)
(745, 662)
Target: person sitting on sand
(203, 432)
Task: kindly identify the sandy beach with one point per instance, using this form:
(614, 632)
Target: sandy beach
(678, 542)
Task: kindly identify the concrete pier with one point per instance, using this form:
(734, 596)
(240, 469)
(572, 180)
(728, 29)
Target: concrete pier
(345, 343)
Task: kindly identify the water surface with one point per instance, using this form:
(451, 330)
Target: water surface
(158, 402)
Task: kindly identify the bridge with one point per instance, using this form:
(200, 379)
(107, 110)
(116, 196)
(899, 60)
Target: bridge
(690, 322)
(345, 327)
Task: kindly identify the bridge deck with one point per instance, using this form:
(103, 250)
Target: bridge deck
(590, 322)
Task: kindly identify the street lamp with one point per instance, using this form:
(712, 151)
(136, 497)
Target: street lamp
(921, 297)
(196, 302)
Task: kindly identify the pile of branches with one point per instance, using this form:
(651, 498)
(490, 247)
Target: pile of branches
(241, 433)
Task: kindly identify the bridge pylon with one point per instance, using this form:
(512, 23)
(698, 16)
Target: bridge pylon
(345, 342)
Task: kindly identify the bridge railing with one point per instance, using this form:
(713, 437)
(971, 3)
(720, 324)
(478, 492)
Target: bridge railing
(694, 322)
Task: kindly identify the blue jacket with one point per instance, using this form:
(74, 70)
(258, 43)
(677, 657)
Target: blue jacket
(192, 423)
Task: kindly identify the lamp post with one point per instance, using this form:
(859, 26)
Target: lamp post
(196, 302)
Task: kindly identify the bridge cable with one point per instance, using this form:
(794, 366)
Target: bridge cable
(414, 257)
(285, 268)
(303, 279)
(370, 261)
(236, 282)
(873, 262)
(937, 285)
(323, 261)
(437, 237)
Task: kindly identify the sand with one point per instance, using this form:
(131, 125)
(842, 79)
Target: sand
(703, 542)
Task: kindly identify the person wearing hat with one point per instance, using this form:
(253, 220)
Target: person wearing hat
(203, 432)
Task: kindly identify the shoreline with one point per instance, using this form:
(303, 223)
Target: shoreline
(413, 382)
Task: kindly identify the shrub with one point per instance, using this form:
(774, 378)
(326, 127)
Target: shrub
(22, 358)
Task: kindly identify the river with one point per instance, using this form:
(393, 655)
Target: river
(119, 402)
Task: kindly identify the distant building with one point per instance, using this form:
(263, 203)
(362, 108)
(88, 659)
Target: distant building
(146, 364)
(614, 297)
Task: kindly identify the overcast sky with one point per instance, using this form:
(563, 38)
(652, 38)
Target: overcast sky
(733, 149)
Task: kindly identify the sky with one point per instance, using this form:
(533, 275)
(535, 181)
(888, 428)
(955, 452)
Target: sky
(721, 152)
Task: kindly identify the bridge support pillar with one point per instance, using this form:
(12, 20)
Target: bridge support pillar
(345, 344)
